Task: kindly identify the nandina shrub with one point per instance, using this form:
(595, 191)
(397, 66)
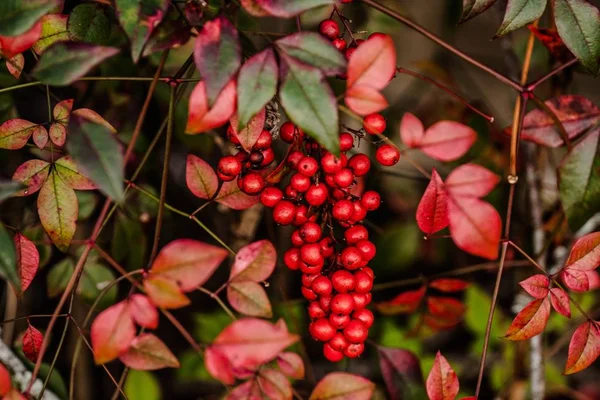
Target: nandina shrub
(285, 275)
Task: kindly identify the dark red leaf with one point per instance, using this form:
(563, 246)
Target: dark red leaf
(531, 321)
(552, 41)
(432, 212)
(400, 369)
(536, 285)
(560, 301)
(28, 259)
(584, 347)
(442, 382)
(449, 285)
(32, 342)
(5, 380)
(404, 303)
(445, 307)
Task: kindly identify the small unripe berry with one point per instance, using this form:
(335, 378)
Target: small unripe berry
(346, 141)
(354, 350)
(252, 184)
(310, 232)
(316, 194)
(359, 164)
(365, 316)
(342, 303)
(308, 166)
(329, 28)
(351, 257)
(364, 283)
(229, 166)
(270, 196)
(374, 124)
(322, 330)
(322, 286)
(343, 281)
(264, 140)
(315, 311)
(291, 257)
(387, 155)
(342, 210)
(339, 321)
(300, 182)
(344, 178)
(283, 212)
(311, 254)
(355, 233)
(371, 200)
(355, 332)
(338, 342)
(331, 354)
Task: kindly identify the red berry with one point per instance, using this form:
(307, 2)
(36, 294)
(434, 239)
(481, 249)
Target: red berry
(355, 233)
(283, 212)
(344, 178)
(331, 164)
(301, 215)
(291, 257)
(359, 212)
(338, 342)
(288, 132)
(296, 239)
(308, 294)
(367, 249)
(359, 164)
(315, 311)
(322, 286)
(387, 155)
(307, 279)
(339, 321)
(343, 281)
(346, 141)
(329, 28)
(361, 300)
(351, 258)
(252, 184)
(242, 156)
(310, 232)
(337, 194)
(365, 316)
(369, 272)
(325, 303)
(355, 332)
(339, 44)
(229, 166)
(308, 166)
(225, 178)
(342, 303)
(264, 140)
(331, 354)
(349, 51)
(322, 330)
(268, 157)
(354, 350)
(311, 254)
(327, 247)
(377, 34)
(290, 192)
(342, 210)
(364, 283)
(300, 182)
(311, 269)
(256, 157)
(371, 200)
(270, 196)
(294, 158)
(316, 194)
(329, 180)
(232, 136)
(374, 124)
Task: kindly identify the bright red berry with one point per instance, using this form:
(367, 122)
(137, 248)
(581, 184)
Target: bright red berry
(359, 212)
(344, 178)
(338, 342)
(307, 279)
(342, 303)
(325, 303)
(270, 196)
(327, 247)
(374, 124)
(268, 157)
(367, 249)
(301, 215)
(346, 141)
(310, 232)
(349, 51)
(369, 272)
(339, 321)
(355, 233)
(294, 158)
(331, 354)
(365, 316)
(288, 132)
(377, 34)
(342, 210)
(387, 155)
(308, 166)
(339, 44)
(308, 294)
(364, 283)
(300, 182)
(251, 184)
(231, 136)
(359, 164)
(361, 300)
(316, 194)
(322, 286)
(315, 311)
(354, 350)
(283, 212)
(229, 166)
(322, 330)
(355, 332)
(351, 258)
(329, 28)
(311, 254)
(296, 239)
(290, 192)
(264, 140)
(331, 164)
(291, 257)
(371, 200)
(343, 281)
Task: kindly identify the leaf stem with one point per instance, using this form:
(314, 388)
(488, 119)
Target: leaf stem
(218, 300)
(20, 86)
(561, 129)
(533, 85)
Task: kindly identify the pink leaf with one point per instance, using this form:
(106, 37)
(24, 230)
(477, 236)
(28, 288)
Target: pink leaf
(33, 174)
(28, 259)
(231, 196)
(62, 111)
(343, 386)
(15, 65)
(584, 347)
(575, 279)
(250, 133)
(112, 332)
(58, 134)
(432, 212)
(32, 342)
(201, 118)
(165, 293)
(13, 45)
(449, 285)
(200, 177)
(404, 303)
(411, 130)
(188, 262)
(143, 312)
(536, 285)
(364, 99)
(291, 364)
(471, 180)
(148, 353)
(475, 226)
(442, 382)
(531, 321)
(249, 390)
(585, 254)
(69, 173)
(283, 8)
(560, 301)
(249, 298)
(93, 116)
(254, 262)
(447, 140)
(15, 133)
(40, 137)
(274, 384)
(593, 279)
(373, 63)
(218, 366)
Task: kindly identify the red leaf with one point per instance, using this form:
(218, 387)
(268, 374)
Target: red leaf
(148, 353)
(584, 347)
(14, 394)
(291, 364)
(143, 312)
(40, 137)
(5, 380)
(218, 365)
(593, 279)
(364, 99)
(442, 382)
(441, 322)
(93, 116)
(475, 226)
(449, 285)
(576, 113)
(200, 177)
(575, 279)
(250, 133)
(231, 196)
(432, 212)
(274, 385)
(445, 307)
(585, 254)
(249, 390)
(201, 118)
(531, 321)
(15, 65)
(552, 41)
(471, 180)
(28, 259)
(165, 293)
(560, 301)
(188, 262)
(254, 262)
(112, 332)
(373, 63)
(286, 8)
(536, 285)
(249, 298)
(400, 369)
(447, 140)
(411, 130)
(343, 386)
(32, 342)
(404, 303)
(13, 45)
(15, 133)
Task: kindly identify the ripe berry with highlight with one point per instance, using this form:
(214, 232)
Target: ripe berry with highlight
(374, 124)
(387, 155)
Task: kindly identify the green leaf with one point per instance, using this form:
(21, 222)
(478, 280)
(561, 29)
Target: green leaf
(142, 385)
(87, 204)
(472, 8)
(579, 180)
(520, 13)
(8, 188)
(129, 244)
(287, 8)
(54, 29)
(94, 279)
(309, 102)
(207, 326)
(578, 24)
(58, 277)
(89, 23)
(478, 307)
(65, 62)
(313, 49)
(138, 19)
(8, 259)
(57, 207)
(257, 84)
(98, 154)
(18, 16)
